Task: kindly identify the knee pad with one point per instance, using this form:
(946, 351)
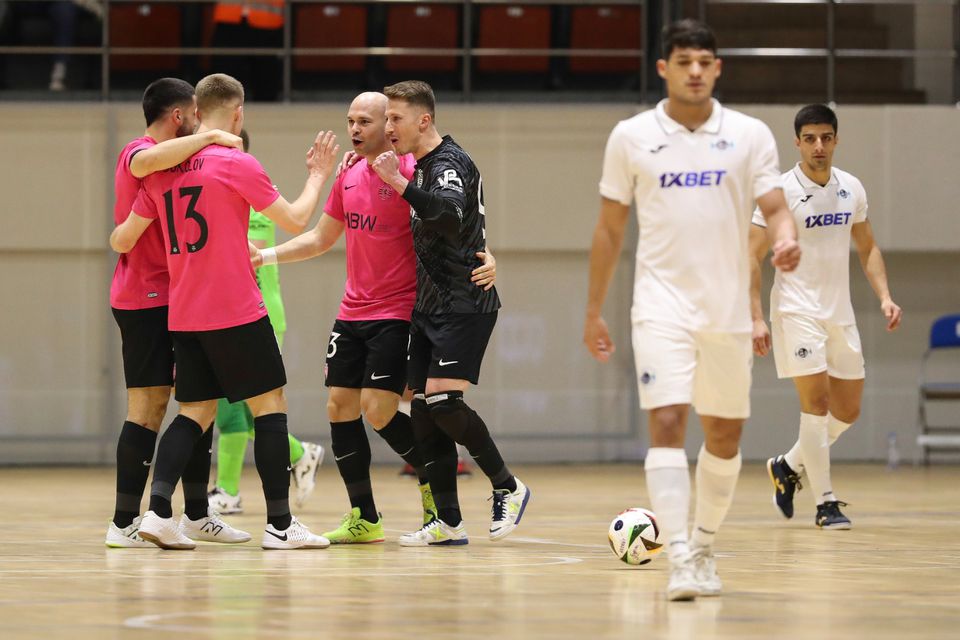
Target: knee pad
(458, 420)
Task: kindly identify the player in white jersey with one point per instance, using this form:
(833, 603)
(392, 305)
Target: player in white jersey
(695, 170)
(815, 339)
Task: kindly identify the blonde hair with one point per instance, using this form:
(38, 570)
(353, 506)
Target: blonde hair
(217, 91)
(415, 92)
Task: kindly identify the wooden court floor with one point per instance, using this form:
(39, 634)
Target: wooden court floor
(896, 574)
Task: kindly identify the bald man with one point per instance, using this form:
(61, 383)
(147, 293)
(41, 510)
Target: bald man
(367, 354)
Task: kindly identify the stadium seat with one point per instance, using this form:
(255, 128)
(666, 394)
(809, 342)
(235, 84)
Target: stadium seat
(145, 25)
(513, 27)
(941, 354)
(423, 25)
(326, 26)
(612, 27)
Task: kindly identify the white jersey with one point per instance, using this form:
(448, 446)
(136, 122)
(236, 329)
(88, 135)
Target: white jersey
(695, 191)
(820, 287)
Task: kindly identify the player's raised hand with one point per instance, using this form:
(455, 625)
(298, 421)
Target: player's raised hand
(387, 165)
(597, 338)
(786, 255)
(761, 338)
(322, 155)
(227, 139)
(486, 274)
(892, 312)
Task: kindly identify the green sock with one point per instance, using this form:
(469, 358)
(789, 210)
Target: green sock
(296, 450)
(230, 452)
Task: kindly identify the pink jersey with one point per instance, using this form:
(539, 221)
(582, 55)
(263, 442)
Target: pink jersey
(140, 280)
(204, 210)
(381, 265)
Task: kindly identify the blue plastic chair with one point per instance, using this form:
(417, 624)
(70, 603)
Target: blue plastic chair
(944, 336)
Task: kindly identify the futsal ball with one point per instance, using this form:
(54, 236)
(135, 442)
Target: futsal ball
(634, 536)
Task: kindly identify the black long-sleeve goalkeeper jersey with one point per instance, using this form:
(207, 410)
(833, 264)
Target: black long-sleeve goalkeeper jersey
(447, 220)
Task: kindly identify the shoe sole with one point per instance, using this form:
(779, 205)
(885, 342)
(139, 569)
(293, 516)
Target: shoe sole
(445, 543)
(682, 595)
(845, 526)
(286, 548)
(500, 535)
(218, 541)
(149, 537)
(332, 541)
(301, 499)
(773, 481)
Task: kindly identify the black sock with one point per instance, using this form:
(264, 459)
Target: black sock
(271, 451)
(134, 455)
(176, 447)
(440, 460)
(351, 450)
(462, 423)
(399, 435)
(196, 476)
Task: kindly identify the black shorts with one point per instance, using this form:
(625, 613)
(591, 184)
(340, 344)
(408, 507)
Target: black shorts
(235, 363)
(368, 354)
(449, 345)
(147, 347)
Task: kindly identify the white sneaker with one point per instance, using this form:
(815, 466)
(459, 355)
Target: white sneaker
(435, 533)
(507, 510)
(705, 569)
(296, 536)
(126, 538)
(683, 584)
(224, 503)
(212, 529)
(164, 532)
(305, 471)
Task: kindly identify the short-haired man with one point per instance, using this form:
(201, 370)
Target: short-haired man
(815, 337)
(234, 420)
(139, 301)
(452, 319)
(223, 341)
(367, 354)
(695, 170)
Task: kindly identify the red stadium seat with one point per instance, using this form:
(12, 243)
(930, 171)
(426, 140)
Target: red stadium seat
(144, 25)
(612, 27)
(423, 25)
(513, 27)
(328, 26)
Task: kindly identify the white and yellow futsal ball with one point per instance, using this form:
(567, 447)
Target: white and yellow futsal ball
(634, 536)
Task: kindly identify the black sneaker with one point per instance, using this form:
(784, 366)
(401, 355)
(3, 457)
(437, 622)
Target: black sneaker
(830, 517)
(786, 482)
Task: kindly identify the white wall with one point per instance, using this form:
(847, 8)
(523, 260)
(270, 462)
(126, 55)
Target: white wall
(61, 386)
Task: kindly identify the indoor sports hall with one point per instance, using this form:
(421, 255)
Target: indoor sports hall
(532, 91)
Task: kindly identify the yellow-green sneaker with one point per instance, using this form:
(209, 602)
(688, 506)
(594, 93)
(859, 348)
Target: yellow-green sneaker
(429, 506)
(355, 530)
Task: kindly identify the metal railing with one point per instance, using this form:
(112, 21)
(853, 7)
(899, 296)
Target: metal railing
(831, 53)
(288, 52)
(468, 54)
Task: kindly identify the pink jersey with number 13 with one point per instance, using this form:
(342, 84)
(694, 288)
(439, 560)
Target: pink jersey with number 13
(203, 206)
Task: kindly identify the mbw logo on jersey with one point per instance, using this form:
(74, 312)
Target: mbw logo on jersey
(692, 179)
(360, 221)
(828, 219)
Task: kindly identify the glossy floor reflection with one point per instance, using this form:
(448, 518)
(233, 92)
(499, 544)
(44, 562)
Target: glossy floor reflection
(894, 575)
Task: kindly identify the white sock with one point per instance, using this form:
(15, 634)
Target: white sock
(794, 458)
(816, 455)
(716, 482)
(835, 428)
(668, 483)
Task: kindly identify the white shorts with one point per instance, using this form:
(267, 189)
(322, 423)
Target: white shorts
(804, 346)
(711, 371)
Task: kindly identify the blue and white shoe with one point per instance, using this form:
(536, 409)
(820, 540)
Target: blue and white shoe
(507, 510)
(786, 482)
(436, 533)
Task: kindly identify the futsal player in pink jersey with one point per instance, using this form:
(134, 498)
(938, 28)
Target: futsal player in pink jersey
(367, 353)
(139, 297)
(223, 341)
